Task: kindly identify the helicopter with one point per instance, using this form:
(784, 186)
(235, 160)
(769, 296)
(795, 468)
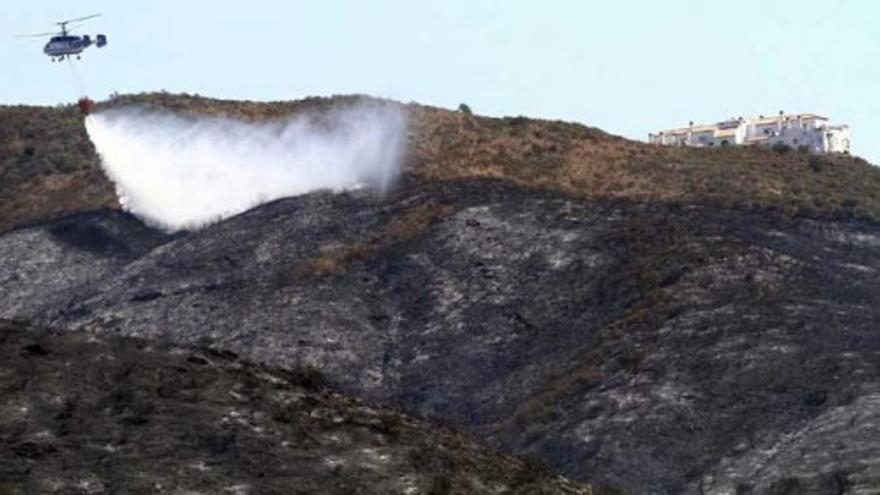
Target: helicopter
(64, 45)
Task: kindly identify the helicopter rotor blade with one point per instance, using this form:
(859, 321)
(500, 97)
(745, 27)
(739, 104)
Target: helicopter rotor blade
(37, 35)
(64, 29)
(79, 19)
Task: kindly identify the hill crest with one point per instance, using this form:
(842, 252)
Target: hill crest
(48, 167)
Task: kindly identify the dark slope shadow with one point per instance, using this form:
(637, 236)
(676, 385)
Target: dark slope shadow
(107, 233)
(89, 237)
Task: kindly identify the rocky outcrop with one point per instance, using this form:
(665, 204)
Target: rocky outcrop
(657, 348)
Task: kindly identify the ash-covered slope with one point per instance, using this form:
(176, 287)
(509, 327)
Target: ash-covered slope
(82, 414)
(41, 266)
(657, 348)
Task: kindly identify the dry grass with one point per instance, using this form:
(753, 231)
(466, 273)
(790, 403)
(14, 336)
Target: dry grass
(50, 196)
(406, 226)
(333, 261)
(37, 143)
(47, 166)
(591, 164)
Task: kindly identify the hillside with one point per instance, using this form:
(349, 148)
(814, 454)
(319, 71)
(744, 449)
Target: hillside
(642, 346)
(112, 415)
(657, 320)
(48, 167)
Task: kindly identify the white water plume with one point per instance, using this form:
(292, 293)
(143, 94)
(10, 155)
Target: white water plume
(185, 172)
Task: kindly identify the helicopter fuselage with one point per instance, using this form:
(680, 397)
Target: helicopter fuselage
(64, 45)
(67, 45)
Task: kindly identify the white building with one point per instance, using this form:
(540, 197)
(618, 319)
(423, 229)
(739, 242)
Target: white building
(802, 131)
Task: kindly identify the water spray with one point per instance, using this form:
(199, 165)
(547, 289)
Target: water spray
(178, 172)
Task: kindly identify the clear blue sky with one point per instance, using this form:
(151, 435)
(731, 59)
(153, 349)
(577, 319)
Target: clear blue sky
(626, 66)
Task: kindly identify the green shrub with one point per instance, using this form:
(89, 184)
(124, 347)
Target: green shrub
(817, 162)
(781, 148)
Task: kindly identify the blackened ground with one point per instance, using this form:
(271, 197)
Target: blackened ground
(49, 260)
(118, 415)
(659, 348)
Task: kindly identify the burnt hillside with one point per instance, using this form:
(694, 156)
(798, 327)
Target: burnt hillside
(657, 320)
(113, 415)
(650, 347)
